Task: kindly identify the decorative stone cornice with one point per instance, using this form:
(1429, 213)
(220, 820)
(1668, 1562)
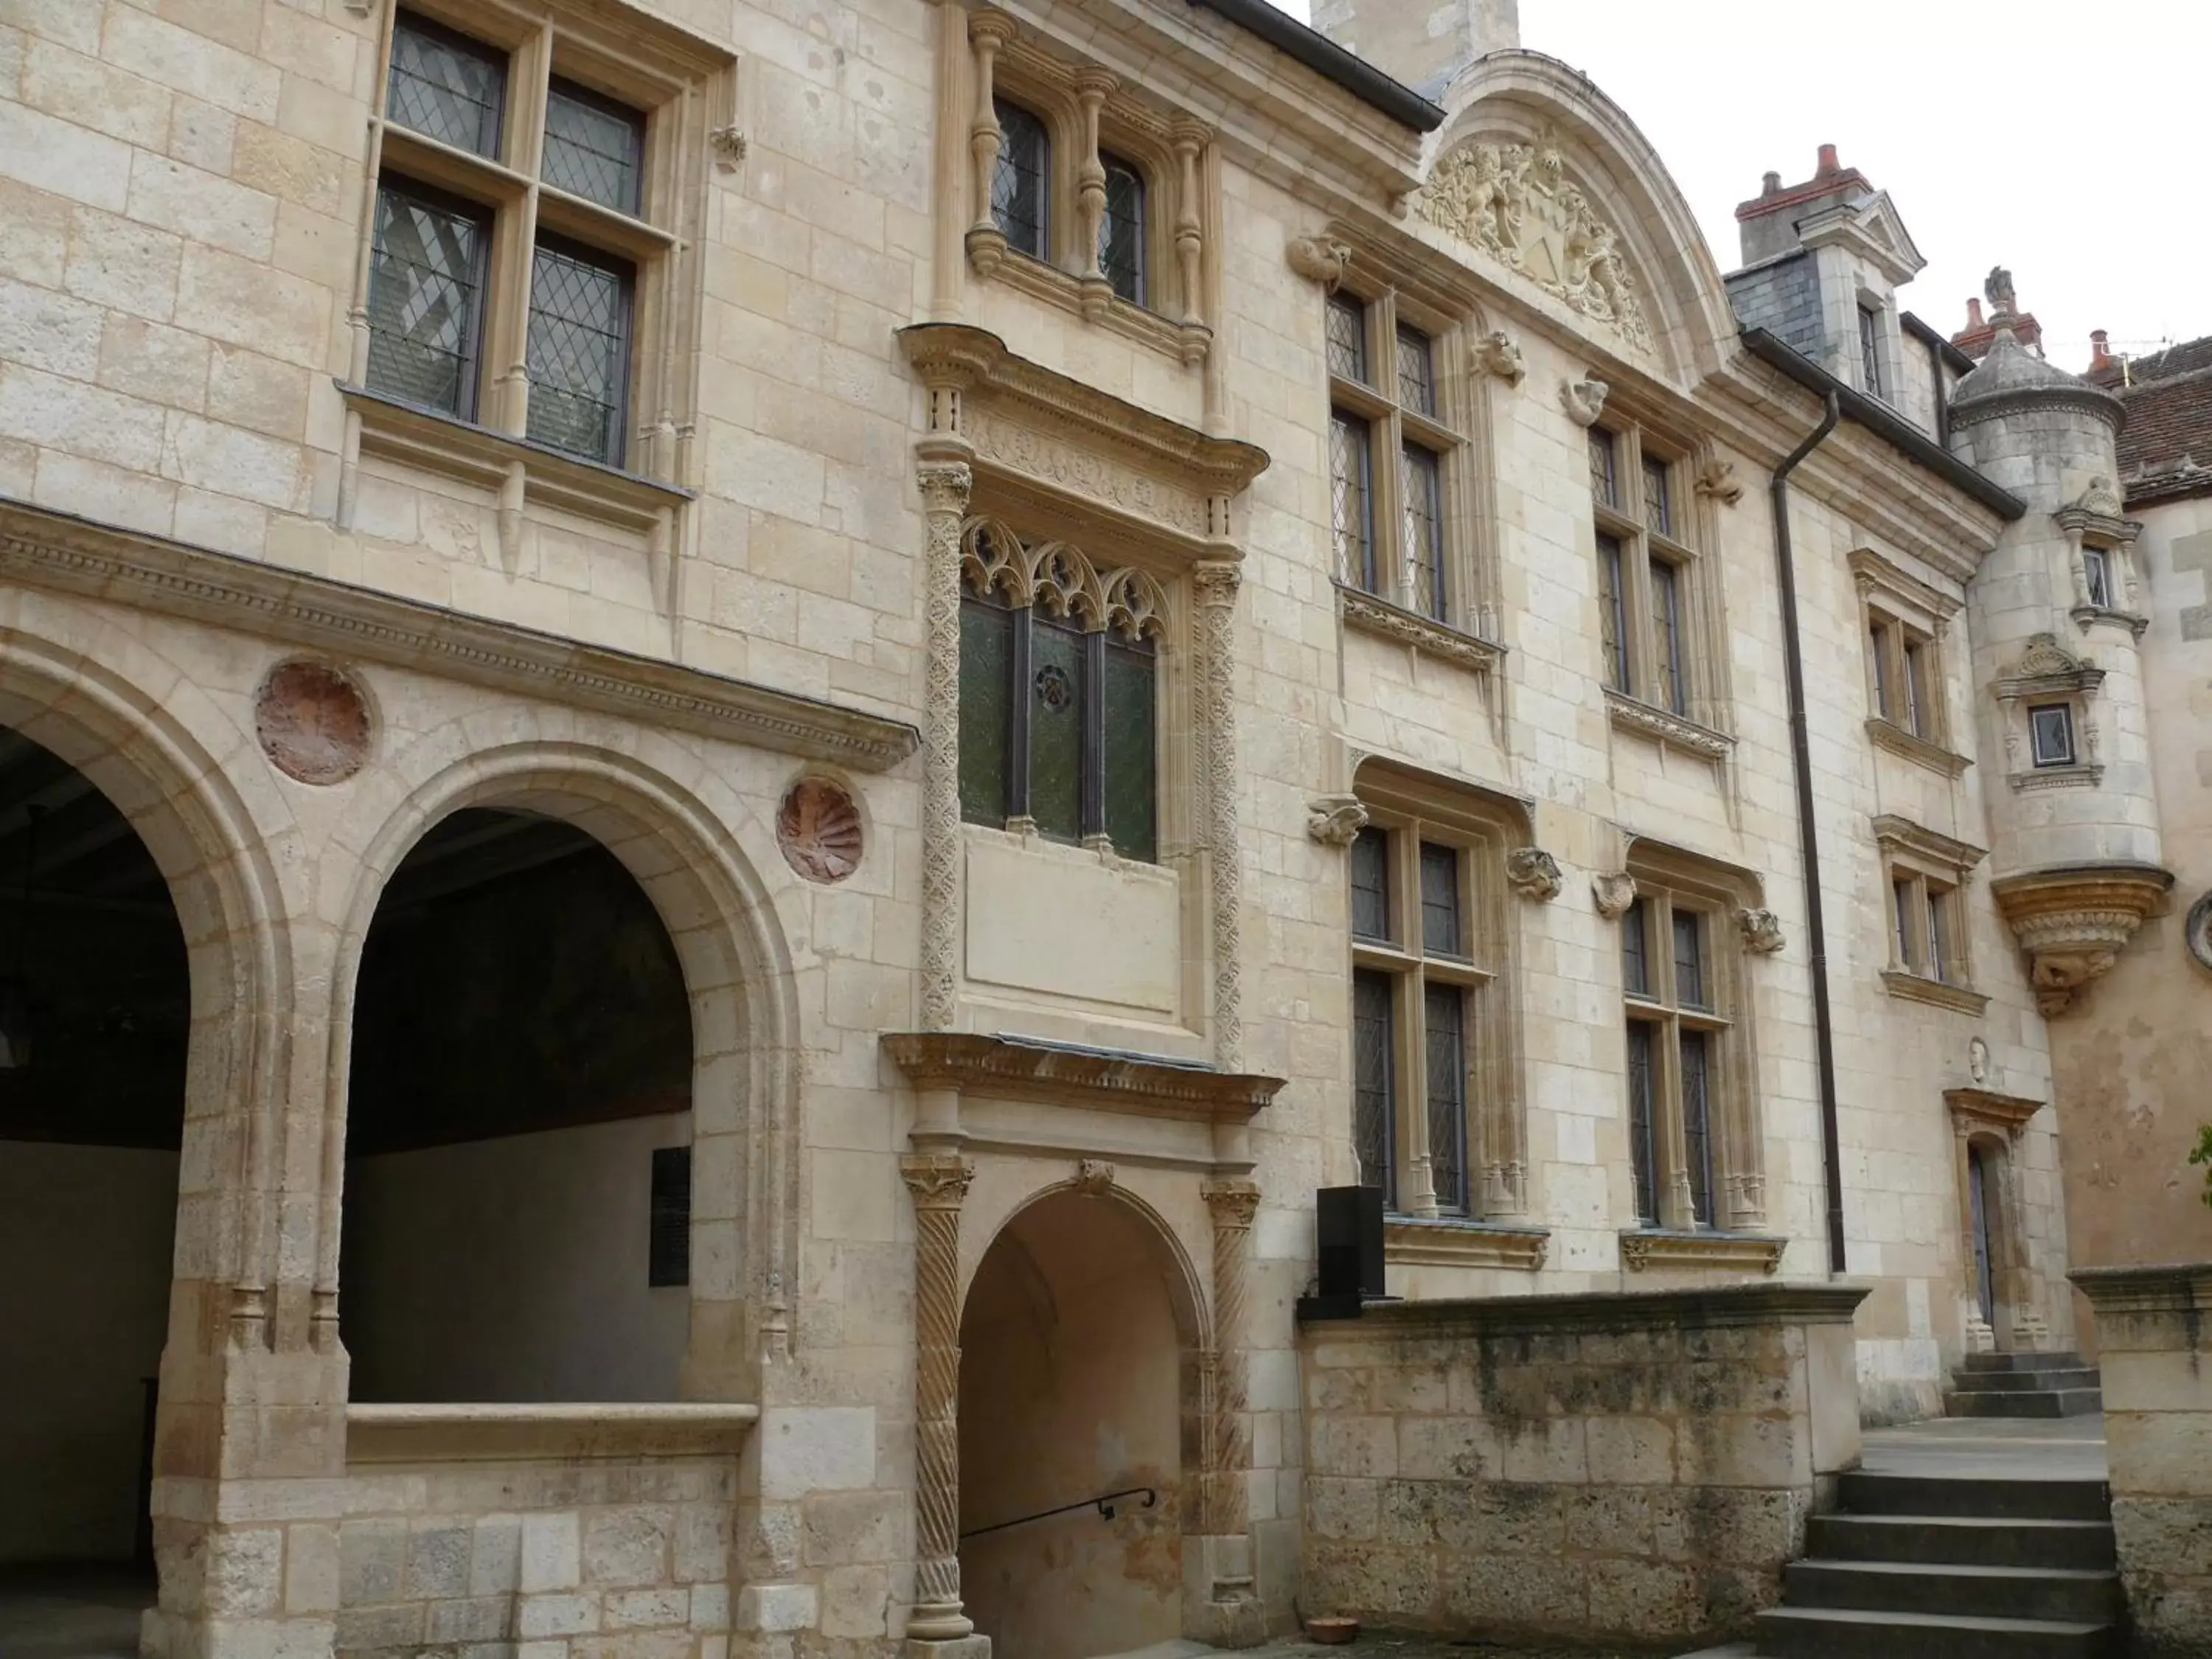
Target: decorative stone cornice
(2073, 920)
(1645, 1247)
(2099, 516)
(2046, 668)
(2176, 1287)
(1372, 615)
(1014, 1069)
(1663, 726)
(1985, 1108)
(1873, 570)
(472, 1433)
(1783, 1302)
(1445, 1242)
(61, 553)
(1936, 993)
(1910, 745)
(1900, 835)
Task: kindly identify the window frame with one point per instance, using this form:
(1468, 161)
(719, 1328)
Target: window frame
(625, 275)
(1110, 162)
(1871, 367)
(1929, 920)
(406, 187)
(1647, 528)
(2037, 757)
(1042, 251)
(1903, 621)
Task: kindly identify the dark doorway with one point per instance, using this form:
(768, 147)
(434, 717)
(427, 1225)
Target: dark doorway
(1983, 1202)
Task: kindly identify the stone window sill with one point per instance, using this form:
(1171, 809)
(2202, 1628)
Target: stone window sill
(1888, 734)
(1445, 1242)
(2077, 777)
(1092, 298)
(1372, 614)
(470, 1433)
(2086, 617)
(1918, 987)
(1666, 727)
(1650, 1247)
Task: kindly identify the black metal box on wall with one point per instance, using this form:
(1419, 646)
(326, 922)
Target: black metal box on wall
(1348, 1236)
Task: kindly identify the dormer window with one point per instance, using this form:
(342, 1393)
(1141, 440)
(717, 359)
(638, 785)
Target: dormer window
(1870, 351)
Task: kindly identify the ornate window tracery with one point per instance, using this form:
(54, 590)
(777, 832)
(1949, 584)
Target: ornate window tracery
(1059, 692)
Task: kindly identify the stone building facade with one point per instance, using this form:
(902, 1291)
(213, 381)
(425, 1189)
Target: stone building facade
(738, 734)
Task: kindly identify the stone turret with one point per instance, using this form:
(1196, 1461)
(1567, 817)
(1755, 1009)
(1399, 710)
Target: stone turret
(2076, 859)
(1424, 44)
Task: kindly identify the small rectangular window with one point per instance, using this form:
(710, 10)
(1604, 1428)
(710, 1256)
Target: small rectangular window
(1020, 185)
(579, 351)
(1690, 959)
(1696, 1054)
(1939, 934)
(1421, 486)
(1870, 350)
(1658, 502)
(1635, 959)
(426, 298)
(2097, 572)
(1443, 1010)
(1417, 374)
(1666, 635)
(1878, 640)
(669, 1254)
(1613, 610)
(1920, 712)
(1121, 230)
(2050, 732)
(1443, 932)
(1643, 1140)
(594, 147)
(1370, 886)
(1604, 484)
(1374, 1131)
(1347, 338)
(446, 86)
(1352, 499)
(1900, 894)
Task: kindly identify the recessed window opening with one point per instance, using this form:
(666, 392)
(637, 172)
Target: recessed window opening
(2050, 734)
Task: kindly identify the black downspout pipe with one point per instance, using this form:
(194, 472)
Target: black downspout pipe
(1800, 754)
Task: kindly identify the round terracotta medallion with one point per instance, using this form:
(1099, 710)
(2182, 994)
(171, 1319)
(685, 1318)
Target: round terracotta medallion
(312, 722)
(818, 826)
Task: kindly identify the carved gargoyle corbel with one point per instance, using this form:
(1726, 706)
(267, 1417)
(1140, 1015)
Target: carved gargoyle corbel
(1335, 820)
(1094, 1178)
(1496, 354)
(1318, 259)
(1716, 478)
(1762, 931)
(1534, 873)
(1613, 893)
(1585, 399)
(729, 146)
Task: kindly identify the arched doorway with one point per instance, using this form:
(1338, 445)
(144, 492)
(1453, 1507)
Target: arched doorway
(1079, 1448)
(95, 1019)
(517, 1187)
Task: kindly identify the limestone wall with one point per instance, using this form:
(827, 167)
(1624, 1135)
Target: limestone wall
(1623, 1467)
(2155, 1338)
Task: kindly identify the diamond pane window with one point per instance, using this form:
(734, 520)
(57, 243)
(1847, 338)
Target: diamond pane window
(1370, 884)
(1635, 962)
(986, 635)
(1613, 610)
(1689, 959)
(1019, 186)
(1643, 1141)
(1121, 230)
(1603, 451)
(1441, 930)
(1666, 635)
(1132, 791)
(1055, 694)
(1420, 489)
(1444, 1031)
(1352, 513)
(1347, 338)
(1417, 373)
(578, 353)
(445, 86)
(1374, 1135)
(425, 300)
(1697, 1123)
(594, 147)
(1658, 504)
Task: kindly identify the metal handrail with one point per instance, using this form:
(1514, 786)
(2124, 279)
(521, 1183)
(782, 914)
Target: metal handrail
(1103, 1503)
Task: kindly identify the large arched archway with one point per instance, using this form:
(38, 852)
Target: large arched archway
(1081, 1452)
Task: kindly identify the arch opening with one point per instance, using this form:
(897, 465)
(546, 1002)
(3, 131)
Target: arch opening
(518, 1184)
(1081, 1353)
(96, 983)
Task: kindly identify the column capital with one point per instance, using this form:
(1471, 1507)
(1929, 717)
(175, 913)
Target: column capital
(1216, 581)
(939, 1180)
(1233, 1202)
(946, 485)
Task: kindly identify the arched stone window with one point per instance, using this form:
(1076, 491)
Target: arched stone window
(1021, 184)
(1058, 694)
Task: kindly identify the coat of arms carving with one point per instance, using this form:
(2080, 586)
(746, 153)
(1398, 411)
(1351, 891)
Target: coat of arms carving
(1514, 202)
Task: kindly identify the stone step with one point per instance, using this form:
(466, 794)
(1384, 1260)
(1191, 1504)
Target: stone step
(2065, 1594)
(2053, 1360)
(1856, 1634)
(1964, 1541)
(2049, 1402)
(2078, 1376)
(1860, 1494)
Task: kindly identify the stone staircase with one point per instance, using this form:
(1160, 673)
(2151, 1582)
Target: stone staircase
(1950, 1567)
(2023, 1385)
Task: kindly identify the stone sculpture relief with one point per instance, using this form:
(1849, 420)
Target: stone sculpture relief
(1318, 259)
(1514, 202)
(1614, 893)
(1585, 399)
(1534, 873)
(1762, 931)
(1496, 354)
(1094, 1178)
(818, 828)
(1335, 820)
(1716, 478)
(312, 722)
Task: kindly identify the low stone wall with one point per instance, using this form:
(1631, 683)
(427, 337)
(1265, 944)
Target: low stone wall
(2154, 1345)
(482, 1532)
(1626, 1467)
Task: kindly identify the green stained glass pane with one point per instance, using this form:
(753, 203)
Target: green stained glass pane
(1132, 791)
(986, 644)
(1056, 695)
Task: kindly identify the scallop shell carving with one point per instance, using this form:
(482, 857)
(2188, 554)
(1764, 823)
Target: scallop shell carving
(312, 722)
(818, 826)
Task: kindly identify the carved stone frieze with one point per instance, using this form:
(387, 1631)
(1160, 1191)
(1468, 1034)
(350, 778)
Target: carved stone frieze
(1613, 893)
(1583, 399)
(1513, 202)
(1663, 725)
(1335, 820)
(2072, 922)
(1496, 354)
(1374, 615)
(1534, 873)
(1761, 929)
(2046, 665)
(1642, 1250)
(1319, 259)
(1085, 472)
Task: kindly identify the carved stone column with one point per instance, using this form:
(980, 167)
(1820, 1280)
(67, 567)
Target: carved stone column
(1216, 582)
(944, 488)
(1234, 1203)
(938, 1182)
(987, 34)
(1092, 88)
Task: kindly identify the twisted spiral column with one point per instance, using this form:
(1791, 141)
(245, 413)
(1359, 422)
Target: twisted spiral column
(944, 490)
(1216, 582)
(1233, 1204)
(938, 1182)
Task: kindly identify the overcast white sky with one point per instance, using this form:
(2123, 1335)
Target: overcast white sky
(2067, 143)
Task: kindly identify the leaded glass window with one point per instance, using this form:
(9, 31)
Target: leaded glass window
(1658, 504)
(1604, 455)
(1370, 884)
(1347, 338)
(1677, 1027)
(1697, 1127)
(1643, 1130)
(594, 147)
(1870, 351)
(446, 86)
(1689, 958)
(1374, 1109)
(1021, 186)
(1635, 966)
(1648, 623)
(1878, 640)
(579, 351)
(1443, 1021)
(1917, 709)
(1121, 230)
(1666, 635)
(1058, 694)
(1351, 482)
(425, 299)
(1441, 931)
(1939, 933)
(1613, 610)
(1417, 373)
(1420, 490)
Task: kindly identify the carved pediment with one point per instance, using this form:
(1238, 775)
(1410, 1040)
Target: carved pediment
(1515, 203)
